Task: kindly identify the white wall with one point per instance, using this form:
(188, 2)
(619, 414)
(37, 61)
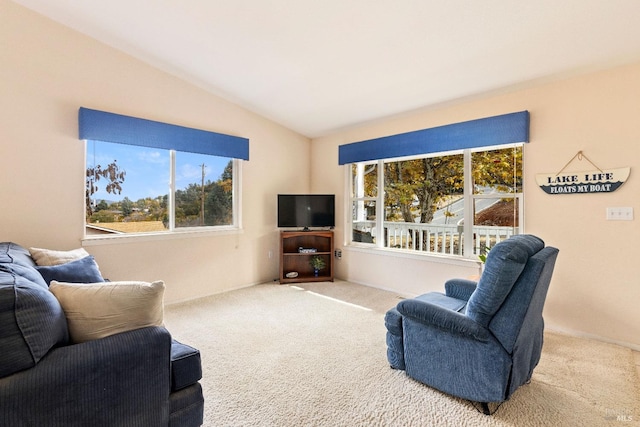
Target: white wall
(596, 285)
(47, 72)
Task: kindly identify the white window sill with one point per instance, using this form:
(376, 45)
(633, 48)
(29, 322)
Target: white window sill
(187, 233)
(403, 253)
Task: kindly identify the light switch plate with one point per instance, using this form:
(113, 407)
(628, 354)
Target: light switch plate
(620, 214)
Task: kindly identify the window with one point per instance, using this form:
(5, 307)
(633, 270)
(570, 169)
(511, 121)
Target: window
(132, 189)
(144, 176)
(455, 203)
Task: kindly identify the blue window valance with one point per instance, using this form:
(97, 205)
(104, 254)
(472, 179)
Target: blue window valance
(497, 130)
(110, 127)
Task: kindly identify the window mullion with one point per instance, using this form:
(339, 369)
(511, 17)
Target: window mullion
(359, 193)
(237, 193)
(468, 205)
(380, 207)
(520, 199)
(172, 190)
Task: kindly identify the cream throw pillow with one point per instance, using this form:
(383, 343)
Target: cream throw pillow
(48, 257)
(97, 310)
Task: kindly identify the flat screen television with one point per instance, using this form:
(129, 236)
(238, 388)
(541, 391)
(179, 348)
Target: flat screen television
(306, 210)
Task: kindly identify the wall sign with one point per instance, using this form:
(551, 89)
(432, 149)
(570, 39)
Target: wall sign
(590, 181)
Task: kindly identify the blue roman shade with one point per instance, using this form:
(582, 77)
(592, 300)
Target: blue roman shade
(497, 130)
(97, 125)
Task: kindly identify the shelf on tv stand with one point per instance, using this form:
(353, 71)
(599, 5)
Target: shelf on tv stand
(291, 260)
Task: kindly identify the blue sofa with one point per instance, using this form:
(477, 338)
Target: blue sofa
(477, 341)
(137, 378)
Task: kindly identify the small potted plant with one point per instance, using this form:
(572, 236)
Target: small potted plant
(317, 263)
(483, 256)
(483, 259)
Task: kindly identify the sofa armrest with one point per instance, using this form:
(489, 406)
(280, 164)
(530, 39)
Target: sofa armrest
(448, 320)
(460, 288)
(122, 380)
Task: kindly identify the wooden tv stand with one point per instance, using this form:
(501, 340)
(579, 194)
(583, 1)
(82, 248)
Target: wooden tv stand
(292, 260)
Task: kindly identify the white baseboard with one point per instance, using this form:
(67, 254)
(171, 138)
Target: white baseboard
(180, 301)
(580, 334)
(382, 288)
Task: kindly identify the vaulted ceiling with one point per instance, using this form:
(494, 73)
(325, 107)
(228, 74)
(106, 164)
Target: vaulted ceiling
(319, 66)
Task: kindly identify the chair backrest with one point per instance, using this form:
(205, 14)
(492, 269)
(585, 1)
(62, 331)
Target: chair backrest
(513, 287)
(521, 312)
(505, 263)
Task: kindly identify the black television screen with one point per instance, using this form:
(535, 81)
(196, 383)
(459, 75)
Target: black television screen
(306, 210)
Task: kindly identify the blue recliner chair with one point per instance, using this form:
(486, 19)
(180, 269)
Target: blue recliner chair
(477, 341)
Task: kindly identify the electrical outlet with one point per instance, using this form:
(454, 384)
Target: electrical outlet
(620, 214)
(338, 253)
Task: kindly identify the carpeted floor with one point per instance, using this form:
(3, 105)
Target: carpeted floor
(315, 355)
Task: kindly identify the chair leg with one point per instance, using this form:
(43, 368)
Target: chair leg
(485, 408)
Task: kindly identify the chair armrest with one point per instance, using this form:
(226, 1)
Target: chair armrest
(448, 320)
(122, 380)
(460, 288)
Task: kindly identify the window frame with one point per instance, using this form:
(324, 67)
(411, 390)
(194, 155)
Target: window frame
(173, 232)
(468, 196)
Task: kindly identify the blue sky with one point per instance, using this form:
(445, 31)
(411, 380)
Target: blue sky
(147, 169)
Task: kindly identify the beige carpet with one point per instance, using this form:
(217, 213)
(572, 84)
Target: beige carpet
(315, 355)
